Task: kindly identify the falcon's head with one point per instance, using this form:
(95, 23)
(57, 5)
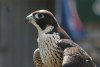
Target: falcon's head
(43, 20)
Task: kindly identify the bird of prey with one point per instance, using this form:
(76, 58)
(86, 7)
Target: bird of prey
(55, 47)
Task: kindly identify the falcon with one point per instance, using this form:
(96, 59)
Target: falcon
(55, 47)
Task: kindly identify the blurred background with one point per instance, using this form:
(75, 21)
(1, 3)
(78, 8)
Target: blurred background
(80, 18)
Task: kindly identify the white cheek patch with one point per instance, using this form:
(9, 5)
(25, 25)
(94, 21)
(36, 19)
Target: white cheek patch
(40, 31)
(48, 29)
(37, 26)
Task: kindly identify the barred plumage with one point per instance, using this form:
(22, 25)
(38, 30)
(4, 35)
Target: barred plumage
(37, 59)
(55, 48)
(49, 51)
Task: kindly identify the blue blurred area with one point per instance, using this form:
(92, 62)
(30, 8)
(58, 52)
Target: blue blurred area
(70, 21)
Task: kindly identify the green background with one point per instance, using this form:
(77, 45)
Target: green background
(85, 11)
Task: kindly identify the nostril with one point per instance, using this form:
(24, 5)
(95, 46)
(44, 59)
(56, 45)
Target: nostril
(27, 18)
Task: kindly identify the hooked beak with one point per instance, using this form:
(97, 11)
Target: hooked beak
(29, 18)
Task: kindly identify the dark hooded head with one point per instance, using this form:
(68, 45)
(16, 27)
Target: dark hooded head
(43, 20)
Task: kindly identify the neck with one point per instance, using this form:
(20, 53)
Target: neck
(48, 29)
(62, 33)
(47, 44)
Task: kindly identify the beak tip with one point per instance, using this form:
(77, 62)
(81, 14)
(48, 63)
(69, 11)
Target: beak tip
(26, 20)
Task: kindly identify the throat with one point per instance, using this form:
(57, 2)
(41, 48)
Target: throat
(49, 51)
(49, 40)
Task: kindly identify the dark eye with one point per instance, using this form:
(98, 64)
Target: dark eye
(39, 16)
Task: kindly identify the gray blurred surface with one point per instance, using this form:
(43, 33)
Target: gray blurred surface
(91, 44)
(17, 38)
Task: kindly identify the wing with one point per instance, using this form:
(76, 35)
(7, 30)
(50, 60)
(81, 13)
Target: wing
(37, 59)
(74, 55)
